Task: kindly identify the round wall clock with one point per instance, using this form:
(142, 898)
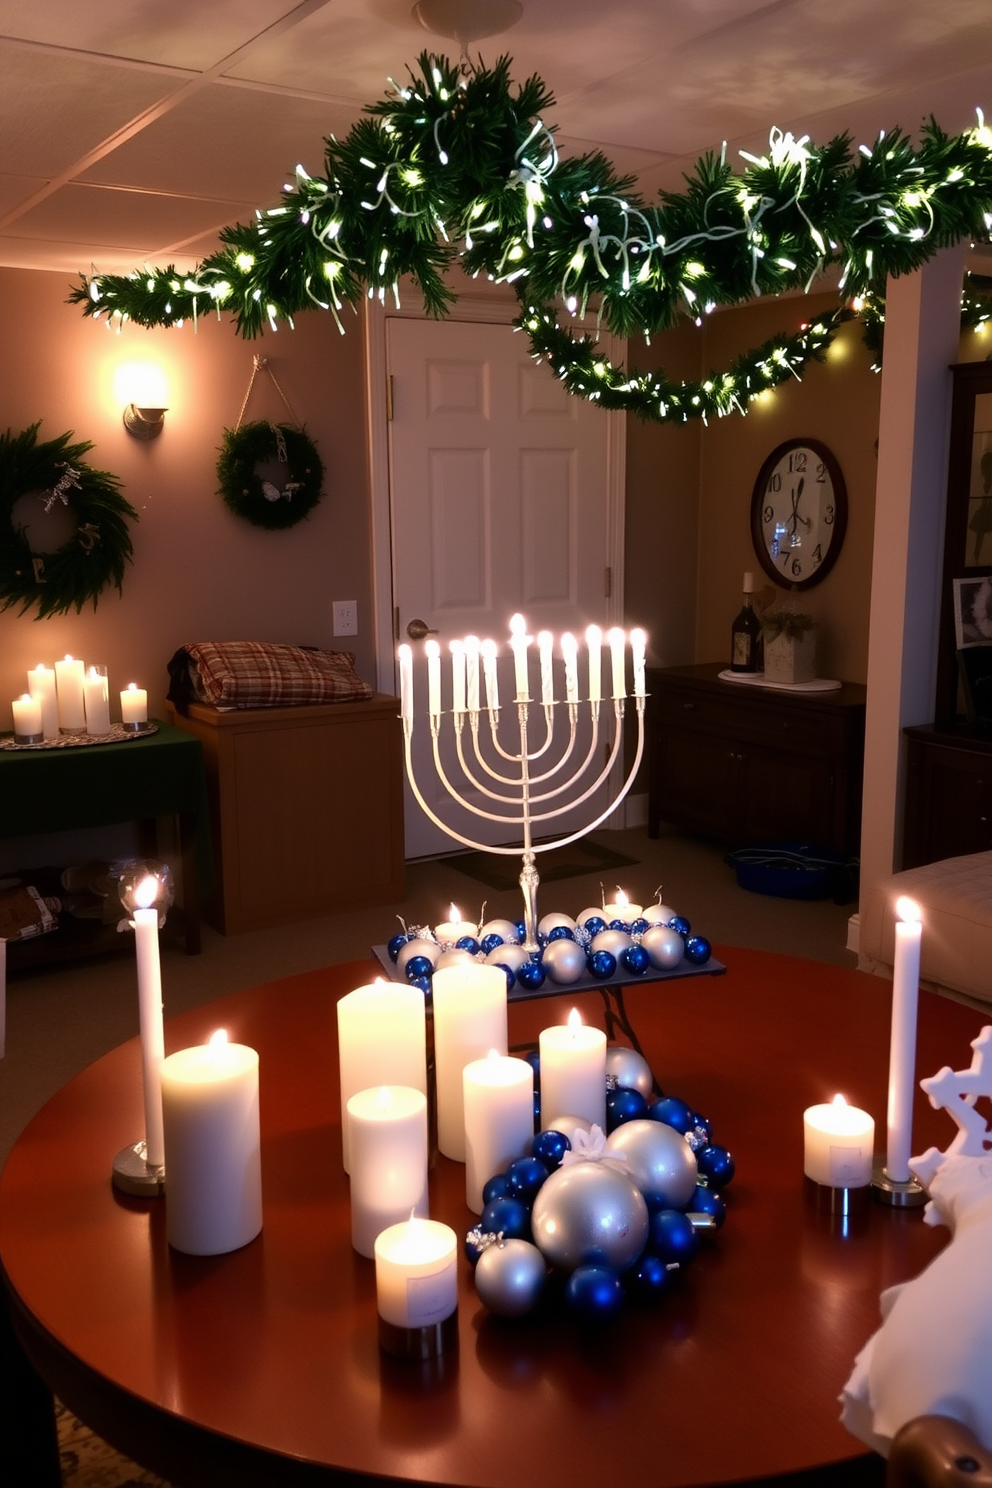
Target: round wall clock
(798, 513)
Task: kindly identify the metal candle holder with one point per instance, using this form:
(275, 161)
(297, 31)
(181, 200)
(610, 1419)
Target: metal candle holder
(525, 795)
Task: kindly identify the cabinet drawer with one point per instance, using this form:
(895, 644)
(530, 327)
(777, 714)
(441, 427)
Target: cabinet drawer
(752, 717)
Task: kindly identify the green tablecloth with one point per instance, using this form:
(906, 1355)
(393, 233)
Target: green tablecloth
(59, 790)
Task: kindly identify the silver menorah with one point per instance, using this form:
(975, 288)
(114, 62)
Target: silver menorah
(564, 780)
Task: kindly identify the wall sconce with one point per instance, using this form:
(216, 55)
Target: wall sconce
(141, 387)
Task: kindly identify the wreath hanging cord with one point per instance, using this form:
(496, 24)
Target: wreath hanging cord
(248, 445)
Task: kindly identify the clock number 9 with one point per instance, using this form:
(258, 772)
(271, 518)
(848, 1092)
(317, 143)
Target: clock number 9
(768, 515)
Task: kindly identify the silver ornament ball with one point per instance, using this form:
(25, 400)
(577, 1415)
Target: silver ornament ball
(512, 956)
(567, 1125)
(428, 948)
(595, 913)
(564, 961)
(550, 922)
(629, 1069)
(659, 1159)
(614, 941)
(665, 947)
(589, 1213)
(510, 1277)
(659, 914)
(453, 956)
(506, 929)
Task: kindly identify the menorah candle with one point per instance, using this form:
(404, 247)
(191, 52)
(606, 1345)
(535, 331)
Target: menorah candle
(69, 693)
(416, 1273)
(618, 641)
(489, 675)
(902, 1046)
(213, 1147)
(134, 705)
(433, 653)
(382, 1040)
(144, 918)
(570, 653)
(41, 685)
(499, 1119)
(519, 641)
(469, 1020)
(26, 711)
(387, 1139)
(838, 1144)
(594, 640)
(622, 909)
(638, 651)
(573, 1072)
(454, 927)
(405, 655)
(96, 700)
(545, 644)
(472, 644)
(457, 649)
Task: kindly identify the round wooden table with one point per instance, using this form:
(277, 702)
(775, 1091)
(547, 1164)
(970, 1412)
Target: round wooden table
(263, 1366)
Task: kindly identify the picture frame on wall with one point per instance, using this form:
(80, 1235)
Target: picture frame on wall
(973, 612)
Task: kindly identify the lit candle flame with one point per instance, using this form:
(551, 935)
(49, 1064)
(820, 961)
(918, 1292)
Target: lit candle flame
(574, 1019)
(146, 892)
(908, 909)
(218, 1040)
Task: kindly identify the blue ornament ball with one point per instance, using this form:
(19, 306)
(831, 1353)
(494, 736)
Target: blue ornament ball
(602, 965)
(639, 926)
(508, 1216)
(537, 1110)
(624, 1105)
(394, 945)
(593, 925)
(521, 930)
(673, 1112)
(497, 1187)
(618, 924)
(550, 1147)
(716, 1165)
(418, 966)
(672, 1236)
(707, 1201)
(594, 1294)
(489, 943)
(533, 1058)
(636, 960)
(656, 1201)
(648, 1279)
(681, 924)
(472, 1248)
(525, 1176)
(531, 976)
(468, 943)
(561, 932)
(511, 975)
(423, 982)
(698, 950)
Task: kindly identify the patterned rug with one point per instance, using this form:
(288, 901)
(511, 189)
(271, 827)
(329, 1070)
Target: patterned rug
(88, 1462)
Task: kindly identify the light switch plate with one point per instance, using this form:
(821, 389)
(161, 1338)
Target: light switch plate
(345, 613)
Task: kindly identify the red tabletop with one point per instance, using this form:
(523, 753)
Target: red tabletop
(264, 1365)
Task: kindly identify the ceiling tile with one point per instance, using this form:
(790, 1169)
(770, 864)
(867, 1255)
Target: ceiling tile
(15, 189)
(138, 221)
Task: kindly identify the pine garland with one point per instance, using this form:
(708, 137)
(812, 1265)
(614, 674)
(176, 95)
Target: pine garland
(463, 168)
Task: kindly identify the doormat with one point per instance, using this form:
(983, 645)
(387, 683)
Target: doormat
(499, 871)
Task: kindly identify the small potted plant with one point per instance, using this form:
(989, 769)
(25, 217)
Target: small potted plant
(790, 646)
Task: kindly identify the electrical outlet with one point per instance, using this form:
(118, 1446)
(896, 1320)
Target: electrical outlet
(345, 617)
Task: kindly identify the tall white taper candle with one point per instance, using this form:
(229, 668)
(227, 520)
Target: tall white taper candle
(144, 918)
(902, 1048)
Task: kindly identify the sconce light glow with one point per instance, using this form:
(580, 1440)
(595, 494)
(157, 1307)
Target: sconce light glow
(141, 387)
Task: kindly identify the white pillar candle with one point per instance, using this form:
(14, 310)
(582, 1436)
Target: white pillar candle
(545, 646)
(638, 650)
(382, 1040)
(454, 927)
(490, 676)
(387, 1139)
(902, 1046)
(570, 655)
(472, 645)
(594, 640)
(416, 1275)
(144, 918)
(469, 1020)
(433, 653)
(622, 909)
(839, 1142)
(134, 704)
(41, 685)
(405, 656)
(96, 701)
(26, 712)
(573, 1072)
(457, 649)
(69, 694)
(519, 641)
(618, 641)
(499, 1119)
(213, 1200)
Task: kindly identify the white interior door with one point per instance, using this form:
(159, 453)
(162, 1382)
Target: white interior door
(500, 490)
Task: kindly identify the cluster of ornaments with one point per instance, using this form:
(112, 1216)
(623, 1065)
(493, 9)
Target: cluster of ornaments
(658, 939)
(601, 1216)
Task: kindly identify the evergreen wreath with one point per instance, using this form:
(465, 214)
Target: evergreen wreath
(261, 502)
(94, 557)
(457, 166)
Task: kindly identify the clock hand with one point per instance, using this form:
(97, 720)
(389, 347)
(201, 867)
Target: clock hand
(795, 518)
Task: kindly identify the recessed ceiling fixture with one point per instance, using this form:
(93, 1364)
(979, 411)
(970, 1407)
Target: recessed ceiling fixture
(467, 20)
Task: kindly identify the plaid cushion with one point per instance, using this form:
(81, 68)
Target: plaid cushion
(255, 674)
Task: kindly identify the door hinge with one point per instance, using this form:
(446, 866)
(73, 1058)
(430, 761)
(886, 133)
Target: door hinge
(389, 397)
(396, 622)
(608, 582)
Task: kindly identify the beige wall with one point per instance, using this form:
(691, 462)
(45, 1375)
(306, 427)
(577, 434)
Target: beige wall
(199, 572)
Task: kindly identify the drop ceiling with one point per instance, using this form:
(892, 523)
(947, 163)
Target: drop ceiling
(131, 131)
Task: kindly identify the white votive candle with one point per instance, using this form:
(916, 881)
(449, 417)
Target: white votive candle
(416, 1275)
(573, 1072)
(213, 1200)
(454, 928)
(902, 1045)
(134, 704)
(839, 1142)
(382, 1040)
(469, 1020)
(499, 1119)
(387, 1138)
(144, 919)
(69, 694)
(622, 909)
(41, 685)
(96, 701)
(26, 712)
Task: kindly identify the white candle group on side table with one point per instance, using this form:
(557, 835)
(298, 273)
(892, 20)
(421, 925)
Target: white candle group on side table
(72, 698)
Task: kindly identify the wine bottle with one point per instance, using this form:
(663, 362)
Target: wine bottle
(746, 650)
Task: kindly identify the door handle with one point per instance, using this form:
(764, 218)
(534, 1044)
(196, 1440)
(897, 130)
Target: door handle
(418, 629)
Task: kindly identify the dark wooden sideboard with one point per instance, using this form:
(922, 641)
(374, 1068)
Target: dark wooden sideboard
(948, 809)
(749, 765)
